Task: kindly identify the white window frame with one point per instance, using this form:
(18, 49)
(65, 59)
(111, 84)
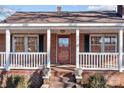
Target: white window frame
(103, 43)
(13, 42)
(25, 42)
(37, 41)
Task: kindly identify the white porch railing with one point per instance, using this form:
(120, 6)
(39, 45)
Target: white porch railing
(27, 60)
(2, 59)
(23, 60)
(99, 61)
(87, 61)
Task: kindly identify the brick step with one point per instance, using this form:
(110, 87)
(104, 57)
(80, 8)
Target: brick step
(62, 77)
(54, 78)
(62, 81)
(61, 73)
(70, 85)
(56, 84)
(45, 86)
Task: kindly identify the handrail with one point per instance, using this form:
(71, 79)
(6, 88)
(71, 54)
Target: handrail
(97, 61)
(24, 60)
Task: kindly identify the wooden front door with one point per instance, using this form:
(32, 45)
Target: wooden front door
(64, 49)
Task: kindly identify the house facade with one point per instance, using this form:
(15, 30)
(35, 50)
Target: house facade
(88, 40)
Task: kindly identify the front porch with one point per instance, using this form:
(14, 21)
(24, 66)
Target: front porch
(83, 52)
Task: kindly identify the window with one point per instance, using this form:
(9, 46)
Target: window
(103, 43)
(110, 43)
(96, 43)
(32, 44)
(19, 44)
(25, 43)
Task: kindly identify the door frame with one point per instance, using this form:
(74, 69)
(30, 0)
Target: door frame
(69, 37)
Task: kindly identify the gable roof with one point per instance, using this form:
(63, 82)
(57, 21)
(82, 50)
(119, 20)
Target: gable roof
(64, 17)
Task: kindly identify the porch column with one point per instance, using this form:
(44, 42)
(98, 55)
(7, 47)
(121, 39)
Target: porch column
(120, 50)
(48, 47)
(77, 48)
(7, 48)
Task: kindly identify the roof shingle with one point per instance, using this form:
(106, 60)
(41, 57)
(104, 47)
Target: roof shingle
(64, 17)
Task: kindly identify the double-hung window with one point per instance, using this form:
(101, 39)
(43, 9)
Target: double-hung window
(25, 43)
(103, 43)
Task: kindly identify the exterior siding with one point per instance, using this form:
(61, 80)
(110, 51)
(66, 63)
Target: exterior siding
(73, 48)
(81, 43)
(53, 48)
(45, 42)
(2, 43)
(19, 72)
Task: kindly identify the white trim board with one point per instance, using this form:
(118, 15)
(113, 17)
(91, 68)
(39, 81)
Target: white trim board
(63, 25)
(59, 24)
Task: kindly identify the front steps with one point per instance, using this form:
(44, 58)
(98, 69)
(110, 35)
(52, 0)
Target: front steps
(61, 77)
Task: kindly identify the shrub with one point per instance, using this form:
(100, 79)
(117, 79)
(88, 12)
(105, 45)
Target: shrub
(97, 81)
(12, 81)
(17, 82)
(22, 83)
(3, 79)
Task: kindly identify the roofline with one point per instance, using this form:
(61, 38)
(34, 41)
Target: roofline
(61, 24)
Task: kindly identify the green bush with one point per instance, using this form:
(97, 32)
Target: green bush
(96, 81)
(17, 82)
(22, 83)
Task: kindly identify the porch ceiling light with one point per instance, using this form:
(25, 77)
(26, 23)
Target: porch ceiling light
(62, 31)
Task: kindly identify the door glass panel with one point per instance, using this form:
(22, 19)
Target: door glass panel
(32, 44)
(63, 42)
(19, 44)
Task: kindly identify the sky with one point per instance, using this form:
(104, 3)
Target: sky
(53, 7)
(40, 8)
(45, 8)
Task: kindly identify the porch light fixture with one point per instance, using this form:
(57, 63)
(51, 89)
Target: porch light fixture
(62, 31)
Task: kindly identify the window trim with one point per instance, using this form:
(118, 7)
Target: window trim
(25, 42)
(103, 43)
(37, 42)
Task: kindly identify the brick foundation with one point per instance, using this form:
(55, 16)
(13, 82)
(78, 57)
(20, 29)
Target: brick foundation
(32, 76)
(19, 72)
